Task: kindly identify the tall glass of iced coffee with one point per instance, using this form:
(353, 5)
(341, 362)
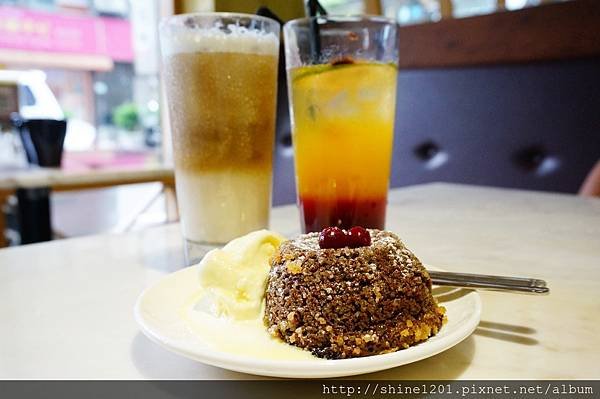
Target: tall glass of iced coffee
(220, 75)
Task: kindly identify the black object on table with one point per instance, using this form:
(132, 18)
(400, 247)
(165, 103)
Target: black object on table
(43, 141)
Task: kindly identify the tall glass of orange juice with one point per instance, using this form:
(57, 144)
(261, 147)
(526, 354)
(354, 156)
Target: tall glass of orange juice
(342, 88)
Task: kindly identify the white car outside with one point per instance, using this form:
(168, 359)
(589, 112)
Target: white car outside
(36, 101)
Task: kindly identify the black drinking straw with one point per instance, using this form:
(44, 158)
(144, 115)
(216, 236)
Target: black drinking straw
(313, 7)
(320, 8)
(266, 12)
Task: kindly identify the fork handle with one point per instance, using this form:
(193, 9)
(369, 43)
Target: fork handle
(499, 283)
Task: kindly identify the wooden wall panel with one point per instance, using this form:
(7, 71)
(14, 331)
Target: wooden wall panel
(548, 32)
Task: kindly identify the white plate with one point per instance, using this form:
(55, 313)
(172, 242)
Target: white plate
(158, 312)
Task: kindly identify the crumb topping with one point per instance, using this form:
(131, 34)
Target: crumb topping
(350, 302)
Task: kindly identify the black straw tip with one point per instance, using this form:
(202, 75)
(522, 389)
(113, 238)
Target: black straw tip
(266, 12)
(314, 8)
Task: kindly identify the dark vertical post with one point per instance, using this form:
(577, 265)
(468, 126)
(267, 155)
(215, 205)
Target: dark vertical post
(34, 215)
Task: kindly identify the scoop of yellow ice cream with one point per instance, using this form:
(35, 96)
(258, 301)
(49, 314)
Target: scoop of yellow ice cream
(234, 278)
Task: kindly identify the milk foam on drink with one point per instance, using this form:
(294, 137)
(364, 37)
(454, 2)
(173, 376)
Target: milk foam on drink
(234, 39)
(221, 91)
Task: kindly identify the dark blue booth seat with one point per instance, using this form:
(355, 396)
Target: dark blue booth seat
(531, 126)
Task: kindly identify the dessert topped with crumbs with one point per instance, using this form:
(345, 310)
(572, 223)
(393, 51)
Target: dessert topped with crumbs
(349, 294)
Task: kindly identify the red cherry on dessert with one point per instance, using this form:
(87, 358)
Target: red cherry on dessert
(358, 237)
(332, 237)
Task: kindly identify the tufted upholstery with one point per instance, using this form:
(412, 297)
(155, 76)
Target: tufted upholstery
(527, 126)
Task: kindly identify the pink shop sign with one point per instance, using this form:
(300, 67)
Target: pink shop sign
(21, 29)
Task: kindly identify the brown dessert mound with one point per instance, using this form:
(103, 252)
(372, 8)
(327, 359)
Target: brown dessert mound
(350, 302)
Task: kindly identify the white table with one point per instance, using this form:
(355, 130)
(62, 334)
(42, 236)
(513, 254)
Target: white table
(66, 306)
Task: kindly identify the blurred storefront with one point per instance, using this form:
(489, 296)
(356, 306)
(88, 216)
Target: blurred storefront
(87, 51)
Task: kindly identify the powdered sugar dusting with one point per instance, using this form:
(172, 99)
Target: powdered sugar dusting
(349, 302)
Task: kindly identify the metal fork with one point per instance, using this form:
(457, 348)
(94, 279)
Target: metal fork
(499, 283)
